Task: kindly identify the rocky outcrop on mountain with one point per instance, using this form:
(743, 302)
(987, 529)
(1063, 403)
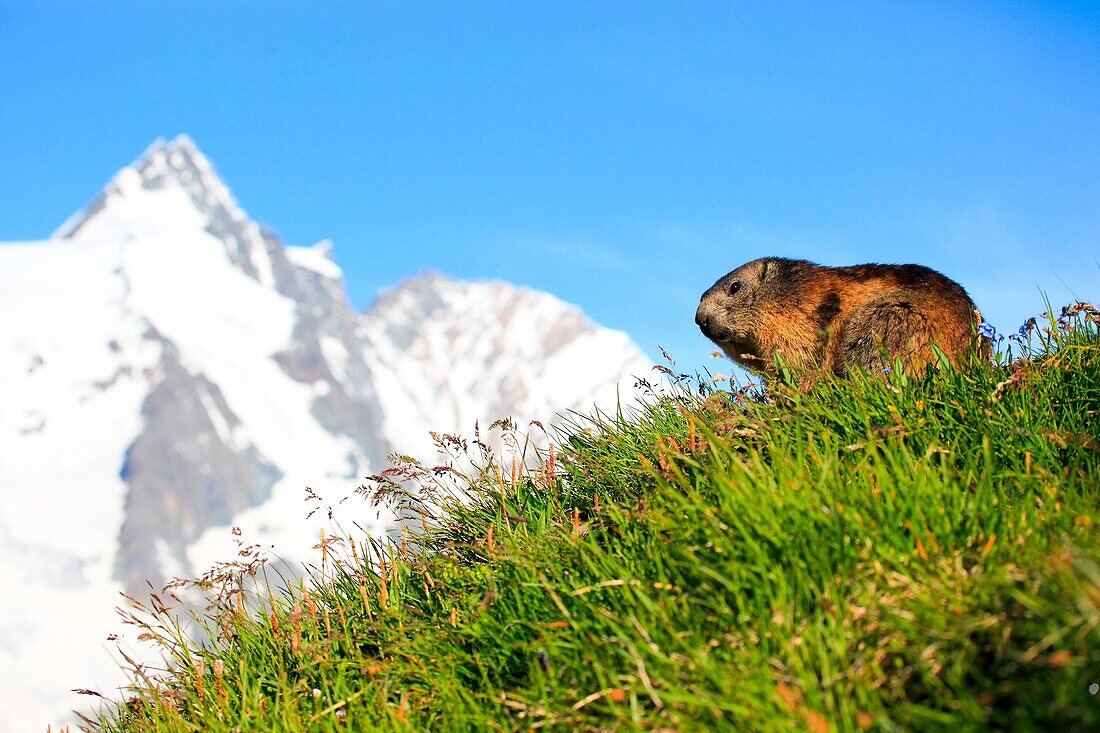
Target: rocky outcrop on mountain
(325, 351)
(191, 468)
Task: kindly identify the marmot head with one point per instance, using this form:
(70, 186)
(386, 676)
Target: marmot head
(730, 311)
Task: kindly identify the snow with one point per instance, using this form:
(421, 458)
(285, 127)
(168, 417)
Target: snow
(62, 499)
(336, 356)
(232, 436)
(78, 289)
(315, 258)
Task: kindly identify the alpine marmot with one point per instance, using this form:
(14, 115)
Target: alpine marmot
(834, 319)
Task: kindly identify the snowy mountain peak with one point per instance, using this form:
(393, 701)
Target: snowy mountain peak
(173, 190)
(165, 164)
(180, 162)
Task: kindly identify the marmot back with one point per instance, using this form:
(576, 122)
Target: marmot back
(836, 318)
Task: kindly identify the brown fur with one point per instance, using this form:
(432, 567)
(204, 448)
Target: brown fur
(834, 319)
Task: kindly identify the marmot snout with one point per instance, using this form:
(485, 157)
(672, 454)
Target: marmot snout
(836, 318)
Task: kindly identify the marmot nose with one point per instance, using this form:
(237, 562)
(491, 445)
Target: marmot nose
(702, 320)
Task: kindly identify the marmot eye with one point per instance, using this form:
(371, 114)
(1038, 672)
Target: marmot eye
(734, 287)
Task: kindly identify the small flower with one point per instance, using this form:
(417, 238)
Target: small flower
(990, 332)
(316, 694)
(1024, 332)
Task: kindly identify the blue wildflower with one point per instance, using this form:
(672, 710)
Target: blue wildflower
(1024, 332)
(990, 332)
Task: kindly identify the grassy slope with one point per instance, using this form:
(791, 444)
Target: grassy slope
(885, 555)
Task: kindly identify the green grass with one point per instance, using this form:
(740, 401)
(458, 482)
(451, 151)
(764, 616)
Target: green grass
(886, 554)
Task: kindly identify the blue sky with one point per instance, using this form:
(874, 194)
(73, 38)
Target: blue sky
(620, 155)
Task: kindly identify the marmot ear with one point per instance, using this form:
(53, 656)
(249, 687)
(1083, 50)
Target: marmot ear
(764, 270)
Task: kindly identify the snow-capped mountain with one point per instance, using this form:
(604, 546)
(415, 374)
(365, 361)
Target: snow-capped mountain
(169, 368)
(447, 353)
